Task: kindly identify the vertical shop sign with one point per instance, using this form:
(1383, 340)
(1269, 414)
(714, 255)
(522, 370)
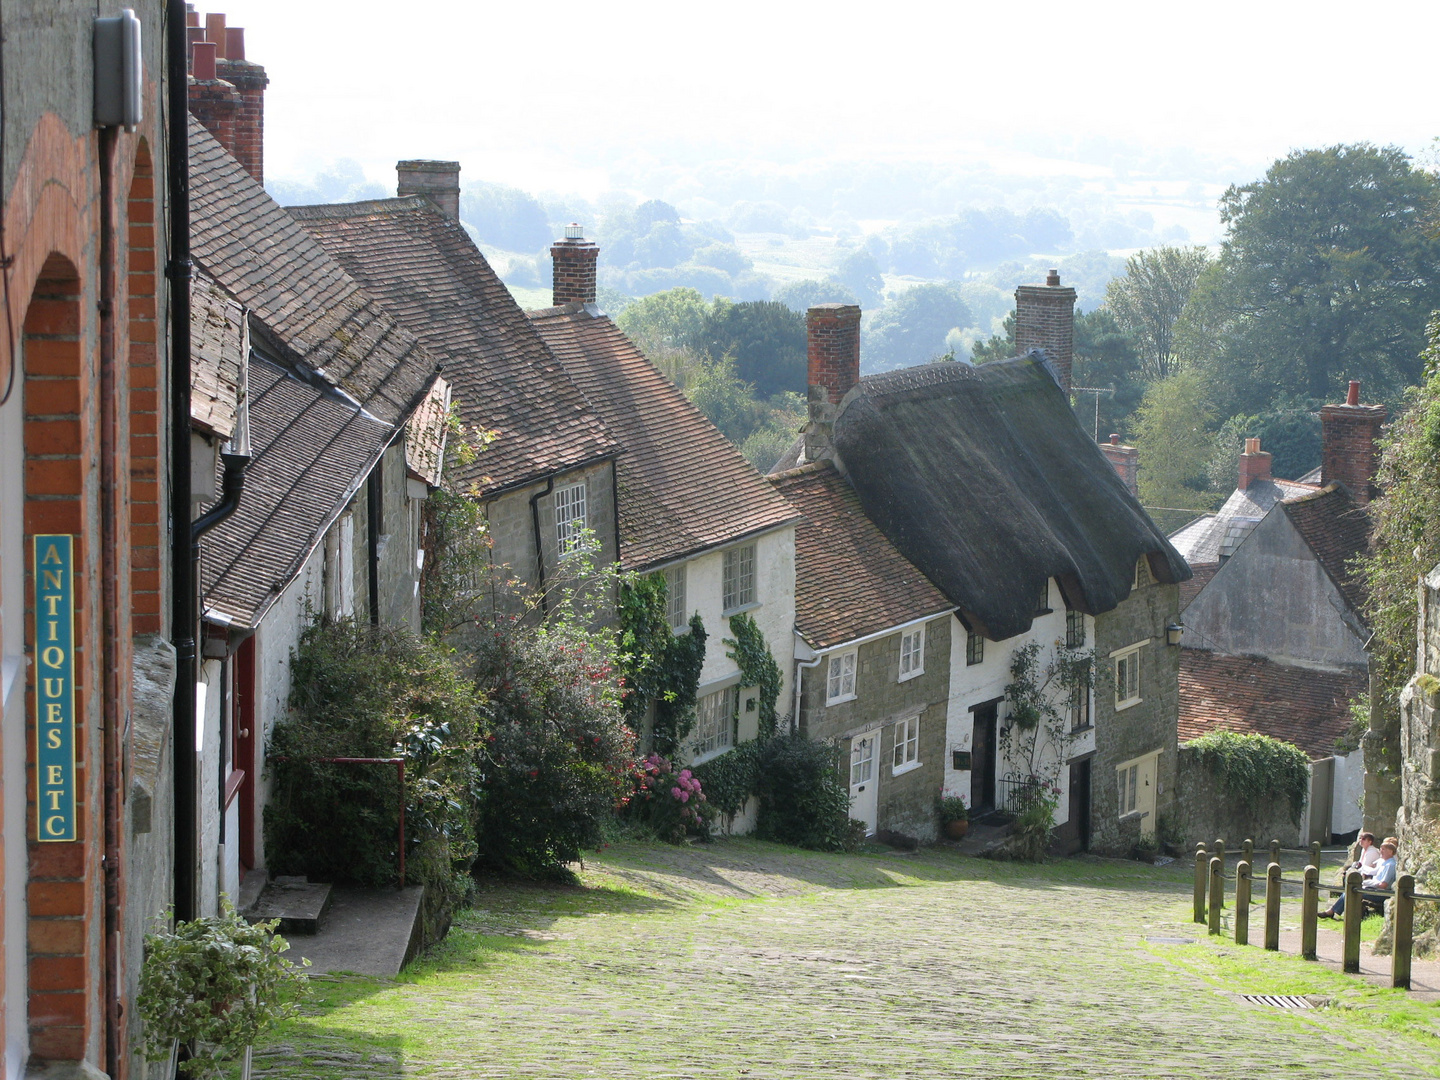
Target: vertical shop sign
(55, 687)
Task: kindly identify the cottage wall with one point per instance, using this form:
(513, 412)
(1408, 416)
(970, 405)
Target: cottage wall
(1276, 601)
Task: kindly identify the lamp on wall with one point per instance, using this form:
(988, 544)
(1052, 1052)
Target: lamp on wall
(1173, 633)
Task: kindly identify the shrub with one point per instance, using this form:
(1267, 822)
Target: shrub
(730, 778)
(1254, 768)
(364, 691)
(803, 798)
(671, 800)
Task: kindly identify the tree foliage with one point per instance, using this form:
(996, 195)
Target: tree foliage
(801, 296)
(1173, 434)
(766, 339)
(1148, 300)
(658, 667)
(1254, 768)
(911, 329)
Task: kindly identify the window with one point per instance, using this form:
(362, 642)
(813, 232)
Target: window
(1074, 629)
(675, 608)
(570, 518)
(1079, 708)
(714, 721)
(1043, 608)
(840, 686)
(739, 578)
(1127, 674)
(1128, 788)
(862, 761)
(974, 649)
(907, 745)
(912, 653)
(1143, 576)
(1136, 785)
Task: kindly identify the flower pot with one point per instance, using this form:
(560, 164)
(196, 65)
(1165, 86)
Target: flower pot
(956, 829)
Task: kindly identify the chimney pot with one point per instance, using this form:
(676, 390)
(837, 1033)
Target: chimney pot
(439, 181)
(202, 62)
(1052, 279)
(192, 17)
(1254, 464)
(234, 43)
(1114, 438)
(1352, 397)
(574, 231)
(215, 32)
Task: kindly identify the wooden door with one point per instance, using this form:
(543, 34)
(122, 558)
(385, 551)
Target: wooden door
(982, 757)
(245, 741)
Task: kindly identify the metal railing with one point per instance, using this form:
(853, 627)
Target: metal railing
(399, 764)
(1014, 795)
(1210, 878)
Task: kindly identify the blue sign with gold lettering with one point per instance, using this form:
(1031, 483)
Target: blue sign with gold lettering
(55, 687)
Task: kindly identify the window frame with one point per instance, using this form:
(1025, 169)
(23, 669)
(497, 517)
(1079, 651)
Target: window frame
(722, 738)
(840, 694)
(917, 654)
(1074, 621)
(569, 539)
(1125, 664)
(675, 599)
(1081, 716)
(733, 579)
(1143, 576)
(905, 748)
(974, 648)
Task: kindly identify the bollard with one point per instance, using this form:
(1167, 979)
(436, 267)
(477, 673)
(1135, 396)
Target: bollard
(1315, 853)
(1202, 872)
(1309, 903)
(1219, 849)
(1217, 892)
(1272, 907)
(1354, 912)
(1404, 931)
(1247, 851)
(1242, 902)
(1274, 850)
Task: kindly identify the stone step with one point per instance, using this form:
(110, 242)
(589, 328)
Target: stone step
(299, 904)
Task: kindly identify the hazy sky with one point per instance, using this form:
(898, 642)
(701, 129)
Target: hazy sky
(549, 96)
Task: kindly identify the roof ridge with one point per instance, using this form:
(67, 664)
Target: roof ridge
(391, 205)
(1311, 496)
(801, 470)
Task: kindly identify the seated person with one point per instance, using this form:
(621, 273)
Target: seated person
(1364, 855)
(1381, 877)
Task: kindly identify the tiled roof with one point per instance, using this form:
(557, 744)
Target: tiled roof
(682, 486)
(1337, 530)
(311, 312)
(1216, 536)
(849, 580)
(425, 433)
(312, 448)
(219, 339)
(1250, 695)
(425, 269)
(1190, 589)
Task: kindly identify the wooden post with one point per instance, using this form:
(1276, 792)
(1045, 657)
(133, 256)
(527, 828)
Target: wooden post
(1217, 891)
(1315, 854)
(1309, 904)
(1242, 902)
(1202, 872)
(1247, 850)
(1354, 912)
(1404, 931)
(1219, 849)
(1274, 850)
(1272, 907)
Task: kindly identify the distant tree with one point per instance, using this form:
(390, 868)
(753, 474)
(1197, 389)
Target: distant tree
(1329, 271)
(766, 339)
(1148, 300)
(505, 217)
(726, 257)
(1106, 357)
(911, 329)
(1291, 436)
(1172, 433)
(860, 273)
(671, 319)
(998, 347)
(801, 296)
(726, 400)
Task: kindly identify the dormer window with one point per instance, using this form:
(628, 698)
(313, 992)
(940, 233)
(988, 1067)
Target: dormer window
(1143, 576)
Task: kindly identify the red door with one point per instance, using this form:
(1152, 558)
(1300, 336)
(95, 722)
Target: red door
(242, 780)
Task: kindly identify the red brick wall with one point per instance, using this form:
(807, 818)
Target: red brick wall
(1126, 462)
(574, 266)
(832, 348)
(1045, 319)
(247, 144)
(1350, 434)
(147, 594)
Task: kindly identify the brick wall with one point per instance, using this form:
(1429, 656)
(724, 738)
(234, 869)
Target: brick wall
(1045, 319)
(1254, 464)
(832, 353)
(438, 181)
(1126, 462)
(1350, 434)
(574, 269)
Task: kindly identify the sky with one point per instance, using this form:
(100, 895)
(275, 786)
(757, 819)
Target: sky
(565, 96)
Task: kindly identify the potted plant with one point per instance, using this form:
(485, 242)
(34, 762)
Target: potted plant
(211, 987)
(954, 816)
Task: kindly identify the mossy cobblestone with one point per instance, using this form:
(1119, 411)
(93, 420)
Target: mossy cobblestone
(743, 959)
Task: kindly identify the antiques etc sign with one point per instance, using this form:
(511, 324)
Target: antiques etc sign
(55, 687)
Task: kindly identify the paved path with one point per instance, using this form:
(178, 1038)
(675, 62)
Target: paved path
(746, 960)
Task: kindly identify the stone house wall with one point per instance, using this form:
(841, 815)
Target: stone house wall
(1420, 726)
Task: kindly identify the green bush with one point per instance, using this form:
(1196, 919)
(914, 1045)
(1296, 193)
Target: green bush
(364, 691)
(1254, 768)
(804, 800)
(729, 780)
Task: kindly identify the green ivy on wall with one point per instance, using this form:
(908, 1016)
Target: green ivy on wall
(1253, 768)
(757, 667)
(657, 665)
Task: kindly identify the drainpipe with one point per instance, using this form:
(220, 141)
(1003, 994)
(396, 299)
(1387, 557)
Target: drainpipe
(373, 495)
(802, 665)
(182, 578)
(539, 548)
(232, 486)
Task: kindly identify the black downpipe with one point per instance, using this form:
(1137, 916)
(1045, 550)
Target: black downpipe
(232, 486)
(539, 546)
(182, 577)
(374, 492)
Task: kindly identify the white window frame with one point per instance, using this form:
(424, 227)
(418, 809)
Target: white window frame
(840, 677)
(905, 754)
(1126, 777)
(715, 722)
(862, 760)
(912, 652)
(1131, 792)
(570, 506)
(676, 611)
(737, 582)
(1129, 690)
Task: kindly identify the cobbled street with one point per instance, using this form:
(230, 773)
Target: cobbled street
(741, 959)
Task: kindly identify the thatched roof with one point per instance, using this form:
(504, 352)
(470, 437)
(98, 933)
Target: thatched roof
(983, 478)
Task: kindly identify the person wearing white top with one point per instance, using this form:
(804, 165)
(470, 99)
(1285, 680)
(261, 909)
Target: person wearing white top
(1366, 860)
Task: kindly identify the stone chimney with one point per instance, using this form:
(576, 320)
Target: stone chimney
(1045, 319)
(227, 92)
(574, 267)
(1254, 464)
(1350, 434)
(832, 351)
(213, 101)
(1126, 462)
(439, 181)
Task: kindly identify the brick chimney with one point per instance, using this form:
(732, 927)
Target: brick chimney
(832, 352)
(250, 80)
(1349, 434)
(439, 181)
(1045, 319)
(1254, 464)
(1126, 462)
(574, 264)
(213, 101)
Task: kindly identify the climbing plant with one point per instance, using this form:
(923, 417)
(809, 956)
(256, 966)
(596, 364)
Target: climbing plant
(1253, 768)
(757, 667)
(1037, 730)
(657, 666)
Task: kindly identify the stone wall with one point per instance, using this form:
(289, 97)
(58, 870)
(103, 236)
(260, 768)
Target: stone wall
(1420, 726)
(1205, 812)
